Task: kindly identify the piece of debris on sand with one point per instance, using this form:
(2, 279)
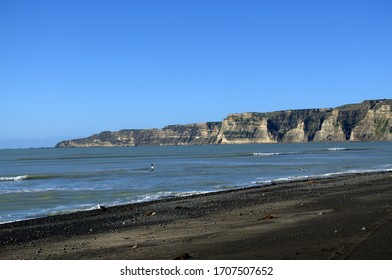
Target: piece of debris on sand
(267, 217)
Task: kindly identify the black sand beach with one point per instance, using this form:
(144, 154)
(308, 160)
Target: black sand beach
(347, 217)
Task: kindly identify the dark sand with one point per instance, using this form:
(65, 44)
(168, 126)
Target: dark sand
(346, 217)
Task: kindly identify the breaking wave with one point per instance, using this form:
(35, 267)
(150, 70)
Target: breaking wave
(275, 154)
(325, 175)
(28, 177)
(337, 149)
(14, 178)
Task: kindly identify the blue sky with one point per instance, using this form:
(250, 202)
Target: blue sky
(71, 68)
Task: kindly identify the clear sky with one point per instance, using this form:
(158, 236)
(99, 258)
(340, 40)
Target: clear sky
(72, 68)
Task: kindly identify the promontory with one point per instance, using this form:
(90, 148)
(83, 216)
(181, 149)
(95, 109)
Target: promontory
(370, 120)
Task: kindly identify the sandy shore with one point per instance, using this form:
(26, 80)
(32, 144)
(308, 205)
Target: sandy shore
(346, 217)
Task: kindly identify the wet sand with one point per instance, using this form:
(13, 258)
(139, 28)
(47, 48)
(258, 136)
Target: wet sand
(347, 217)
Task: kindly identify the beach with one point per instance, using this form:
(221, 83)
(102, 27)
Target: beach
(337, 217)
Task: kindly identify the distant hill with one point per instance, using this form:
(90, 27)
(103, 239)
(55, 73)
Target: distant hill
(370, 120)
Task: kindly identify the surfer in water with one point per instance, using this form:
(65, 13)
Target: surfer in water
(152, 167)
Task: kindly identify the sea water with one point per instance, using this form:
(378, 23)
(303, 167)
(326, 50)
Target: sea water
(40, 182)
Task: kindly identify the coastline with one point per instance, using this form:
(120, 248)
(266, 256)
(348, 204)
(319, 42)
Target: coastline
(340, 217)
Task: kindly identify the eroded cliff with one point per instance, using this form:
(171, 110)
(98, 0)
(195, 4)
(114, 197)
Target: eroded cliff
(370, 120)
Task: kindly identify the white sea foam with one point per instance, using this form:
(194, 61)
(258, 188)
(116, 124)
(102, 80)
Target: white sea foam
(327, 175)
(166, 195)
(337, 149)
(275, 154)
(265, 154)
(14, 178)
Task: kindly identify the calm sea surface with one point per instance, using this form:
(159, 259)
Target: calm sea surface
(40, 182)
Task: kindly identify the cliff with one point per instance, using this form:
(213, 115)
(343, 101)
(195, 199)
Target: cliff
(370, 120)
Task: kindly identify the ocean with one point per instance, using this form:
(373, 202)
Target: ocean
(40, 182)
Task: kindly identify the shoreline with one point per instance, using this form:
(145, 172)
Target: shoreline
(261, 184)
(348, 216)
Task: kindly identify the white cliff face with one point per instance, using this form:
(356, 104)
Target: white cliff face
(261, 134)
(207, 132)
(296, 135)
(331, 130)
(246, 128)
(375, 126)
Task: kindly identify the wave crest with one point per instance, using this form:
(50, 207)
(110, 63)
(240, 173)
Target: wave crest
(275, 154)
(14, 178)
(337, 149)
